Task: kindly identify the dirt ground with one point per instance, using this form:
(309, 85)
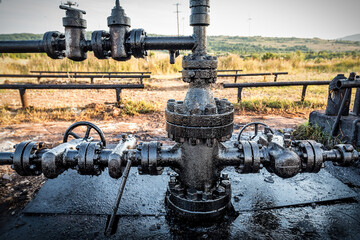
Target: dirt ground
(16, 191)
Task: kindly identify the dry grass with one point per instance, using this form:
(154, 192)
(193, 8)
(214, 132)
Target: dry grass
(281, 101)
(90, 112)
(158, 64)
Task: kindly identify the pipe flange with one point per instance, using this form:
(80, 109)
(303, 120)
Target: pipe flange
(199, 62)
(193, 75)
(319, 157)
(82, 148)
(149, 159)
(98, 40)
(87, 156)
(201, 120)
(54, 45)
(348, 153)
(252, 157)
(18, 158)
(29, 155)
(221, 133)
(311, 155)
(135, 43)
(197, 205)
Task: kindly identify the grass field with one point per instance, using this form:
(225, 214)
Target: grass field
(166, 83)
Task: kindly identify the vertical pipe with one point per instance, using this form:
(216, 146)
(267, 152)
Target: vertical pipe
(200, 19)
(23, 97)
(335, 127)
(118, 96)
(239, 94)
(303, 93)
(356, 109)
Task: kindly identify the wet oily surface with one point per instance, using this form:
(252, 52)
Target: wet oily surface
(263, 209)
(310, 206)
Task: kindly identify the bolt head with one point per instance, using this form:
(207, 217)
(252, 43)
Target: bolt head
(225, 176)
(349, 148)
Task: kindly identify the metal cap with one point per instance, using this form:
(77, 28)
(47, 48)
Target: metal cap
(118, 16)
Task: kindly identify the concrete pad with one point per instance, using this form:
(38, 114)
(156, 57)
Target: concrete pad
(144, 195)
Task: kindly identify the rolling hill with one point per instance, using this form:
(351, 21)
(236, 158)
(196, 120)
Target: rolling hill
(355, 37)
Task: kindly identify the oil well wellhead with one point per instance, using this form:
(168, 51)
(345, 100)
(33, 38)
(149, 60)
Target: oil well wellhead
(201, 125)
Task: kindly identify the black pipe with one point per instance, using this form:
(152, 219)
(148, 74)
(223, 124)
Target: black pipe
(72, 76)
(348, 84)
(253, 74)
(71, 86)
(6, 158)
(169, 43)
(69, 72)
(22, 46)
(335, 127)
(275, 84)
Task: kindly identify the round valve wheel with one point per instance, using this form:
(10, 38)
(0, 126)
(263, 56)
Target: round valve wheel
(90, 126)
(256, 130)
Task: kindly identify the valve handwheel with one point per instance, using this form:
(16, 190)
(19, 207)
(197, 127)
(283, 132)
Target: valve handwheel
(90, 126)
(256, 124)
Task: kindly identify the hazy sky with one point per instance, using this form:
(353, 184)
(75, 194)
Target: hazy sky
(328, 19)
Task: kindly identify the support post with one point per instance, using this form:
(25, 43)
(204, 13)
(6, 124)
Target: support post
(23, 98)
(92, 80)
(239, 94)
(276, 76)
(303, 93)
(356, 109)
(236, 76)
(38, 78)
(335, 127)
(118, 96)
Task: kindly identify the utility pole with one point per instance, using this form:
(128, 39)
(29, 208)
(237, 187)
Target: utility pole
(177, 13)
(183, 23)
(250, 26)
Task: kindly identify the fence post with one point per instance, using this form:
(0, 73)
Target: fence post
(239, 94)
(236, 76)
(39, 79)
(23, 98)
(303, 93)
(118, 96)
(92, 80)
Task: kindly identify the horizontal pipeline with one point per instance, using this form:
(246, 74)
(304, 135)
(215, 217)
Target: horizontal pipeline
(230, 70)
(6, 158)
(71, 86)
(275, 84)
(72, 76)
(348, 84)
(22, 46)
(169, 43)
(253, 74)
(70, 72)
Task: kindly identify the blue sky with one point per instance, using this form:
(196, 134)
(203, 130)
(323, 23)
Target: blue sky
(328, 19)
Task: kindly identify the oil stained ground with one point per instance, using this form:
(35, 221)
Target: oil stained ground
(267, 207)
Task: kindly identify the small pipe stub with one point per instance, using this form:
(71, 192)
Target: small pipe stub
(200, 13)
